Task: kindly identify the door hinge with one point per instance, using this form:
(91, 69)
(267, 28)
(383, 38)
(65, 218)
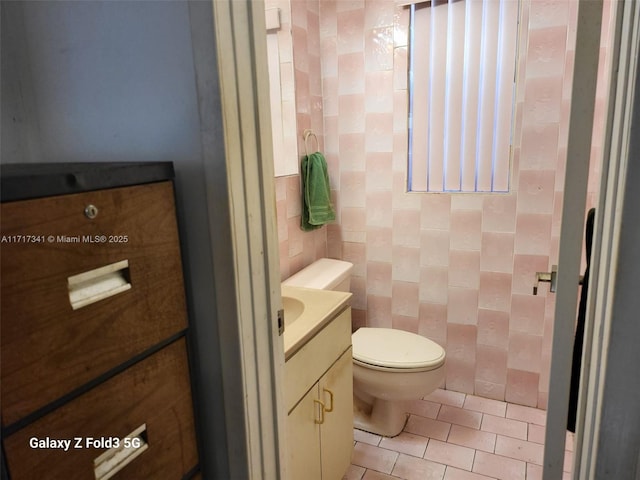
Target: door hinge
(281, 321)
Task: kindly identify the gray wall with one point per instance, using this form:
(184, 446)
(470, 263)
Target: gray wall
(123, 81)
(619, 444)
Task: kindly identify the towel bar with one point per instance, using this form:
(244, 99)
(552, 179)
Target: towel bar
(306, 134)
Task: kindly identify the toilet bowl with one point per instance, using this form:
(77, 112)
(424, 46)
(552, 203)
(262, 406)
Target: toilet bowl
(390, 366)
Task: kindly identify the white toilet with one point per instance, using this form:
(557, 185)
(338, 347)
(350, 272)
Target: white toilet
(389, 366)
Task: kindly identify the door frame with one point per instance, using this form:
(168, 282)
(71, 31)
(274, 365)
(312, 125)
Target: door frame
(251, 349)
(606, 235)
(239, 26)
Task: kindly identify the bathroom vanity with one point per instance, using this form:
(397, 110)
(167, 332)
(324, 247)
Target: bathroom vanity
(318, 383)
(95, 372)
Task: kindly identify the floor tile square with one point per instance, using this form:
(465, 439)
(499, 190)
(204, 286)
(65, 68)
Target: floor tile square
(504, 426)
(468, 437)
(499, 467)
(450, 454)
(447, 397)
(412, 468)
(428, 427)
(406, 442)
(485, 405)
(375, 458)
(460, 416)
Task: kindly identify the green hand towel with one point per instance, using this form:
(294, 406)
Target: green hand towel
(316, 195)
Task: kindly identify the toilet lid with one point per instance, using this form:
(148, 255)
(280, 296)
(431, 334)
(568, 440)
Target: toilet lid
(392, 348)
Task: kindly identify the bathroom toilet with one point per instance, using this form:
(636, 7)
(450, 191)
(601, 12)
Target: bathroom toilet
(390, 366)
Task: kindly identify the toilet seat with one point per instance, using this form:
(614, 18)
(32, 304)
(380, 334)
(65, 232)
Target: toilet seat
(391, 349)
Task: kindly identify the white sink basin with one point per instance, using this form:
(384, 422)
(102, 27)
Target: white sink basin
(306, 312)
(293, 308)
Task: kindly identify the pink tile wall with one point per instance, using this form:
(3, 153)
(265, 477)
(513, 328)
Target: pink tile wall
(456, 268)
(297, 248)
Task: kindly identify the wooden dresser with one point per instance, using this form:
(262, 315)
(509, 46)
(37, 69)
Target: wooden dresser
(94, 369)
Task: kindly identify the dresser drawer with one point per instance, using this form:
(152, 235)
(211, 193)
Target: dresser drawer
(51, 344)
(155, 393)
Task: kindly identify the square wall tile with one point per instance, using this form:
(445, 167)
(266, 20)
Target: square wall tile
(464, 268)
(379, 211)
(539, 146)
(351, 152)
(433, 322)
(379, 172)
(379, 132)
(434, 248)
(355, 253)
(466, 229)
(379, 244)
(350, 30)
(353, 219)
(434, 285)
(435, 211)
(377, 87)
(547, 50)
(490, 390)
(460, 374)
(406, 228)
(524, 272)
(462, 306)
(497, 252)
(406, 264)
(379, 14)
(491, 364)
(379, 311)
(525, 352)
(536, 191)
(495, 291)
(351, 114)
(499, 213)
(543, 100)
(379, 278)
(527, 314)
(402, 322)
(522, 388)
(533, 234)
(404, 299)
(378, 49)
(548, 14)
(493, 328)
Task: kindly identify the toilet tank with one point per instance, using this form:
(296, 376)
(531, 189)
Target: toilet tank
(323, 274)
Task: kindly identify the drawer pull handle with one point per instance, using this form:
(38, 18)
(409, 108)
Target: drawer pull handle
(329, 409)
(108, 463)
(321, 409)
(95, 285)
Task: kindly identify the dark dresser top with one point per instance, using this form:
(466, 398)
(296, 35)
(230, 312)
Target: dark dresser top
(21, 181)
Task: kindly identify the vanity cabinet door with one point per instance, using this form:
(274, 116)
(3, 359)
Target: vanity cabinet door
(336, 433)
(303, 435)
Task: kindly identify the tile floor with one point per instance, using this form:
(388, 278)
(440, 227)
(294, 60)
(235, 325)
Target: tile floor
(454, 436)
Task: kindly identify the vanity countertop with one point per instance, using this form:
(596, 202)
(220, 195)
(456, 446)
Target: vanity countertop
(320, 306)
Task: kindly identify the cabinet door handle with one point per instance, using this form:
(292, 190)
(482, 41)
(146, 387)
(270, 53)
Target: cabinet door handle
(329, 409)
(116, 458)
(321, 421)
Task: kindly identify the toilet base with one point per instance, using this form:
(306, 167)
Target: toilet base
(386, 418)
